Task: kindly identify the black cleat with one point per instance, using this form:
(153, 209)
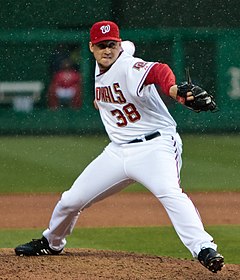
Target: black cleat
(36, 247)
(211, 259)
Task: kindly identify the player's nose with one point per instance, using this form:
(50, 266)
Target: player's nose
(108, 50)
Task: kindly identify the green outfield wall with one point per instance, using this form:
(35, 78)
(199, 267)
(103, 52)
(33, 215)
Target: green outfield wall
(212, 55)
(75, 14)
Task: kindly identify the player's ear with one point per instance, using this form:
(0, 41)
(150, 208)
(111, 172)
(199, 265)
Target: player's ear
(91, 47)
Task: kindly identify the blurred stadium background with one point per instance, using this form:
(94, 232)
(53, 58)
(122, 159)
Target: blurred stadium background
(202, 35)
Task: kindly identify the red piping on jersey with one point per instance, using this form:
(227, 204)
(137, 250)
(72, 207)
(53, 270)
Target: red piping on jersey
(142, 82)
(162, 75)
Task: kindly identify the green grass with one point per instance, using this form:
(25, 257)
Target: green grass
(211, 163)
(45, 164)
(161, 241)
(52, 163)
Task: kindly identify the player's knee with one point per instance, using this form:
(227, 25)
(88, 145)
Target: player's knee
(166, 192)
(72, 203)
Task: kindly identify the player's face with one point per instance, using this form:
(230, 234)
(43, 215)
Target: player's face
(105, 53)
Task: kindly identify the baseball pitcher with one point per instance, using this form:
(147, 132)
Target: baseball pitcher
(144, 146)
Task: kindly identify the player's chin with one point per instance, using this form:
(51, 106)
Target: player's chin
(106, 63)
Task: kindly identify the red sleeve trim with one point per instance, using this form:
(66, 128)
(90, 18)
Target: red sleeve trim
(162, 75)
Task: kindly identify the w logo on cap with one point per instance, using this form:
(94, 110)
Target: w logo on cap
(105, 29)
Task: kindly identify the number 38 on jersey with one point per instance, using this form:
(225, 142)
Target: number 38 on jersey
(129, 113)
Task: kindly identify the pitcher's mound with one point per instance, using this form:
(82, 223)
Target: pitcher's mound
(88, 264)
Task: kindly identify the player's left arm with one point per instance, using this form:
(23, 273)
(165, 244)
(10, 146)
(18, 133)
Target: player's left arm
(192, 96)
(162, 75)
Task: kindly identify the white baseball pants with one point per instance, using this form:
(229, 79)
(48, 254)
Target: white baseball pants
(156, 165)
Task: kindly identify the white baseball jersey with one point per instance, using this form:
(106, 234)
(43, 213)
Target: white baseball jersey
(128, 108)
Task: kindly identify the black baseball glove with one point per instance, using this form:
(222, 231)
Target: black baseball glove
(202, 101)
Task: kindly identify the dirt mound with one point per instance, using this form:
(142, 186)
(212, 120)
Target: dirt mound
(79, 264)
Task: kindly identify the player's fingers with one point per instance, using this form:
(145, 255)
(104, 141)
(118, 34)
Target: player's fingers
(95, 104)
(190, 96)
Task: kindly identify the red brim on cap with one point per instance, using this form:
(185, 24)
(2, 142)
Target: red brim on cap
(98, 40)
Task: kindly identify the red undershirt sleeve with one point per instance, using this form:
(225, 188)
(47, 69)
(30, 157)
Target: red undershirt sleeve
(162, 75)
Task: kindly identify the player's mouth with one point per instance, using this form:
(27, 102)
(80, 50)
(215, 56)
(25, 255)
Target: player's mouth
(107, 57)
(107, 60)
